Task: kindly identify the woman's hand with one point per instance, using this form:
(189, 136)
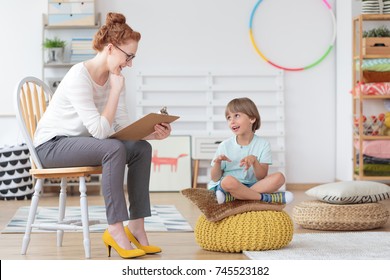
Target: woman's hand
(117, 81)
(161, 131)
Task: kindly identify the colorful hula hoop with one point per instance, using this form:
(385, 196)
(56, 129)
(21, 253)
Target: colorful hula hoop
(328, 6)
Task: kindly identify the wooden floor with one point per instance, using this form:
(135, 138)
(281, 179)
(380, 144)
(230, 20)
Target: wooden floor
(176, 246)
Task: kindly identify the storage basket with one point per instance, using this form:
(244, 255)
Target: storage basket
(320, 215)
(372, 126)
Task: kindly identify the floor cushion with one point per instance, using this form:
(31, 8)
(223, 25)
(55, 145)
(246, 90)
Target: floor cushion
(15, 179)
(249, 231)
(350, 192)
(207, 203)
(315, 214)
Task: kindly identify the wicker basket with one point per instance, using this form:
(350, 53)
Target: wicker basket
(325, 216)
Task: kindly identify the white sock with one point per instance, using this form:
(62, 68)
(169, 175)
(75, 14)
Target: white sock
(289, 197)
(220, 196)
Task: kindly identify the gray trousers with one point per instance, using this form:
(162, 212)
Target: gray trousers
(113, 155)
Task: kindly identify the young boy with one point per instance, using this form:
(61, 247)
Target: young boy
(240, 165)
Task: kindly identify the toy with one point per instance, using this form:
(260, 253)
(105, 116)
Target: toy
(386, 127)
(372, 126)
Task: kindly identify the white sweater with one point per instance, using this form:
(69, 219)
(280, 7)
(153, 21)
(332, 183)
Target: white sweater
(76, 107)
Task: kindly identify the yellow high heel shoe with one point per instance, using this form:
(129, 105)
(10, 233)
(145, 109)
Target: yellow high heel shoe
(126, 254)
(150, 249)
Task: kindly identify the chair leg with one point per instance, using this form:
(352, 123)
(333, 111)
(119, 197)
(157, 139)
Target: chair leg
(84, 217)
(196, 172)
(61, 212)
(31, 214)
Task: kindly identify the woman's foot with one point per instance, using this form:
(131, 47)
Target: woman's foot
(149, 249)
(118, 234)
(136, 234)
(110, 242)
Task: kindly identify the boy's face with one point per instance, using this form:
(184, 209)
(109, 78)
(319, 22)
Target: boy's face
(240, 123)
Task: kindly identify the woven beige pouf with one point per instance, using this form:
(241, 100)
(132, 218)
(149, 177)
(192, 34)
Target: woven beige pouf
(249, 231)
(320, 215)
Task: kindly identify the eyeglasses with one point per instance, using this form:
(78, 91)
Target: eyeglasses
(129, 57)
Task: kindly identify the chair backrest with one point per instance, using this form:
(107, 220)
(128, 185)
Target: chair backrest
(32, 96)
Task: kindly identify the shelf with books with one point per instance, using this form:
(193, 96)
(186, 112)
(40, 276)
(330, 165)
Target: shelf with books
(370, 94)
(78, 47)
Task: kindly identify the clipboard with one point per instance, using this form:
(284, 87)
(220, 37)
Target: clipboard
(142, 127)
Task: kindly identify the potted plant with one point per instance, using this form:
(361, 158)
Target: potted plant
(54, 50)
(376, 41)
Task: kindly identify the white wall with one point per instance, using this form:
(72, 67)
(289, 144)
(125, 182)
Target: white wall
(20, 56)
(343, 162)
(205, 35)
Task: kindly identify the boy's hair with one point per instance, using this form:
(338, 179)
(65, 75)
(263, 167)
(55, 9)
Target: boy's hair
(246, 106)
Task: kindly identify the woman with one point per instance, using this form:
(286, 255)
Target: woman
(87, 107)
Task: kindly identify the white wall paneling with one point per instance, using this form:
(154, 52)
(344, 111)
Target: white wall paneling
(200, 100)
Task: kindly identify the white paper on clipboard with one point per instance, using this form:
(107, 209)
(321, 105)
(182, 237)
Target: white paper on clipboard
(142, 127)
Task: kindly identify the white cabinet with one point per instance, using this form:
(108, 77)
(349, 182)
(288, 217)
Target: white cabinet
(71, 12)
(78, 47)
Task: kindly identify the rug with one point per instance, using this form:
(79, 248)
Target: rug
(331, 246)
(164, 218)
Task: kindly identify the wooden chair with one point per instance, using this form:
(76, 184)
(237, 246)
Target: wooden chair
(32, 96)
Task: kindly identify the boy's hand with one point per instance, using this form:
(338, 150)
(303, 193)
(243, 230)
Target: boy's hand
(248, 161)
(221, 158)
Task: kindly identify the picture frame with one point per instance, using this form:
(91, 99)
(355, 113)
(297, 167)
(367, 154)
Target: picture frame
(170, 168)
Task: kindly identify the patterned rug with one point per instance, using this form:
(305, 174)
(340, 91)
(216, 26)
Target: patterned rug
(164, 218)
(362, 245)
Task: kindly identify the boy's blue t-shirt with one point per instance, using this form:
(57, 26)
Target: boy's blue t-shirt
(259, 147)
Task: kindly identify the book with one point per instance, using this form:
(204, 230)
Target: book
(142, 127)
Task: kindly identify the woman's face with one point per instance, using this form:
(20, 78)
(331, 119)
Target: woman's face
(122, 56)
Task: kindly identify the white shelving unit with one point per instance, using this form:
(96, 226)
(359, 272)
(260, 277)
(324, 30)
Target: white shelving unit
(361, 103)
(53, 72)
(200, 99)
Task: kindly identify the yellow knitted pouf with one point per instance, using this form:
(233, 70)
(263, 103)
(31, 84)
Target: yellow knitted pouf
(249, 231)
